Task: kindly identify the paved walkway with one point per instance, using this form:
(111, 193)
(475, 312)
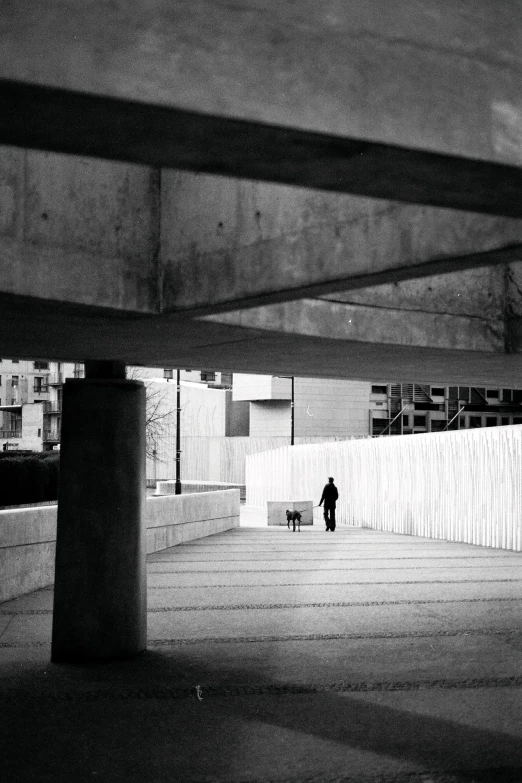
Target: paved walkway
(274, 656)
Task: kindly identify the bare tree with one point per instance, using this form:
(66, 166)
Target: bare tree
(160, 415)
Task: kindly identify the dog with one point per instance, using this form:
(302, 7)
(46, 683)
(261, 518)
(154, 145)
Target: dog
(293, 516)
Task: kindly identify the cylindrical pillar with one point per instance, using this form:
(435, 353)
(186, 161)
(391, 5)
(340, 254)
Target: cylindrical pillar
(100, 582)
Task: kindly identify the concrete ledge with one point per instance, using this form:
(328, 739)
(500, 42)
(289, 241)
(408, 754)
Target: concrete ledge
(28, 535)
(190, 487)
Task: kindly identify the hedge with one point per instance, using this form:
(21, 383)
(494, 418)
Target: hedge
(29, 479)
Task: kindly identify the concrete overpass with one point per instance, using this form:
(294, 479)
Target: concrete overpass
(321, 189)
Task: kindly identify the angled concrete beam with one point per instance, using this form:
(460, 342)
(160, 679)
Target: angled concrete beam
(364, 324)
(41, 118)
(227, 244)
(415, 100)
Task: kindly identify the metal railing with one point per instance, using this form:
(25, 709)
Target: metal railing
(55, 378)
(51, 436)
(10, 433)
(52, 407)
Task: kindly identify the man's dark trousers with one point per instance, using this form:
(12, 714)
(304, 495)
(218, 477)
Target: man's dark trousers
(329, 518)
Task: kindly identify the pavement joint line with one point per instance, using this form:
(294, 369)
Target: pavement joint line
(482, 775)
(275, 689)
(311, 605)
(330, 637)
(331, 584)
(298, 638)
(371, 559)
(349, 567)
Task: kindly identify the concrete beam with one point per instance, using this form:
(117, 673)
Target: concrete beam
(78, 230)
(44, 330)
(225, 241)
(363, 324)
(418, 102)
(132, 240)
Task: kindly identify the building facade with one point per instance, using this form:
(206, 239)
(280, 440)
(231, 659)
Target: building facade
(31, 402)
(348, 409)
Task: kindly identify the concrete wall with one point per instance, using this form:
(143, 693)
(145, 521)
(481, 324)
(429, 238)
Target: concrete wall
(270, 419)
(261, 387)
(331, 408)
(460, 486)
(28, 536)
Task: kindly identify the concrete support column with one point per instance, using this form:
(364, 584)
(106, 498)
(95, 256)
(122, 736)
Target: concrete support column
(100, 584)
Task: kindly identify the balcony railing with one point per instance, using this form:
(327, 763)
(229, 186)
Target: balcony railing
(42, 389)
(52, 407)
(51, 436)
(56, 378)
(10, 433)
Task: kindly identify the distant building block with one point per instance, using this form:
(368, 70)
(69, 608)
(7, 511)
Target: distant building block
(276, 511)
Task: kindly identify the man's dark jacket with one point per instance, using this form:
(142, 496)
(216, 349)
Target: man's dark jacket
(329, 495)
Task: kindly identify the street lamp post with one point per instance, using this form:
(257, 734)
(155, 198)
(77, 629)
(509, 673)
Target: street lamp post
(178, 434)
(292, 415)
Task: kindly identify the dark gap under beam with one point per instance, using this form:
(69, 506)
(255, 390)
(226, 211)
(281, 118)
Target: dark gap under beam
(64, 121)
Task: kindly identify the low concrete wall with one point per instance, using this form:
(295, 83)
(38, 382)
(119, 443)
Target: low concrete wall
(27, 549)
(173, 519)
(28, 535)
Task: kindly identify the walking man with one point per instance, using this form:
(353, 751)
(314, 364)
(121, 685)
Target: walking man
(329, 496)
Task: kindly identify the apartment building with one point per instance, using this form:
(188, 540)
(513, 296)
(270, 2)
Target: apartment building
(403, 409)
(31, 402)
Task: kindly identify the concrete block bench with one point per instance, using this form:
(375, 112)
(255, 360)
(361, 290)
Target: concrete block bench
(276, 511)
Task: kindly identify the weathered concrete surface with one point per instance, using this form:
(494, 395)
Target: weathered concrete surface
(225, 240)
(404, 670)
(78, 230)
(427, 74)
(336, 320)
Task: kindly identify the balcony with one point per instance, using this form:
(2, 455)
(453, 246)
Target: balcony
(56, 379)
(51, 436)
(41, 389)
(52, 407)
(10, 433)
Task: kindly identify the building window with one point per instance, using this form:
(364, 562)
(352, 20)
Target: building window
(492, 393)
(464, 393)
(14, 381)
(507, 395)
(168, 373)
(419, 421)
(491, 421)
(438, 425)
(39, 385)
(41, 365)
(208, 376)
(437, 391)
(505, 420)
(405, 421)
(15, 361)
(379, 390)
(475, 422)
(462, 422)
(517, 420)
